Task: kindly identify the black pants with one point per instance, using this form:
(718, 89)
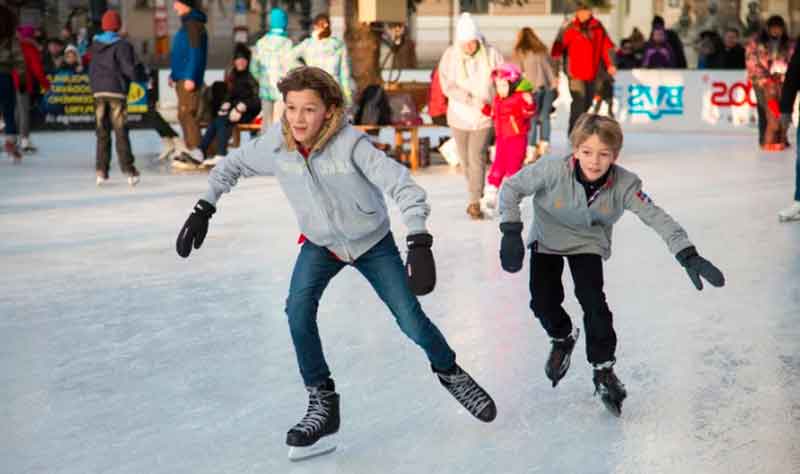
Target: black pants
(111, 114)
(582, 93)
(547, 294)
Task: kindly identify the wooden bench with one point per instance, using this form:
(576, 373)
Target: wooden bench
(236, 133)
(412, 158)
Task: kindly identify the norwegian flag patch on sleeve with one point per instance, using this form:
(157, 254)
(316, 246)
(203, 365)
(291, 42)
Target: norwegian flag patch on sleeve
(644, 197)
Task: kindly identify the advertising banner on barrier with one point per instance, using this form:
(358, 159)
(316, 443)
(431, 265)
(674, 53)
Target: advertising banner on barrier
(69, 103)
(677, 100)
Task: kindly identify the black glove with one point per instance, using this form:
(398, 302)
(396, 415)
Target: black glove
(420, 267)
(696, 266)
(512, 250)
(195, 229)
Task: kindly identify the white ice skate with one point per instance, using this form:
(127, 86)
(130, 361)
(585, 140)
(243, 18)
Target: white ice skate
(791, 213)
(212, 162)
(188, 161)
(489, 201)
(101, 180)
(133, 180)
(543, 148)
(322, 447)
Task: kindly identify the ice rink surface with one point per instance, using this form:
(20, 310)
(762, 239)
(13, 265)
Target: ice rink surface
(117, 356)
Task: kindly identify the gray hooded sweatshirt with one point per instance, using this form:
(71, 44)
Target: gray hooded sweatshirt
(567, 223)
(337, 193)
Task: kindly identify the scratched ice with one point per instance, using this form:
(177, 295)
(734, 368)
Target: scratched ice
(120, 357)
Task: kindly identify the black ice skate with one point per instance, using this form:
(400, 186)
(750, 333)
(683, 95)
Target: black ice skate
(321, 420)
(468, 393)
(612, 391)
(560, 354)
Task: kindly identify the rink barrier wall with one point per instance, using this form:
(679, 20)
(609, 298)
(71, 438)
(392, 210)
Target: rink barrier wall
(645, 100)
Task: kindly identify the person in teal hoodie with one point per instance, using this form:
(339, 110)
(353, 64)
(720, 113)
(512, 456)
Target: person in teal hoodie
(188, 62)
(272, 59)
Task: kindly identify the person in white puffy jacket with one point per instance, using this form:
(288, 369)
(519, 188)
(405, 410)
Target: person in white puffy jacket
(465, 76)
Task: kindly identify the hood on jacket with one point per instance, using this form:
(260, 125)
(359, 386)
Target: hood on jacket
(107, 37)
(278, 20)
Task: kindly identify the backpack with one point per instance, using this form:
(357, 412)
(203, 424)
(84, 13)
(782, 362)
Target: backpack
(373, 107)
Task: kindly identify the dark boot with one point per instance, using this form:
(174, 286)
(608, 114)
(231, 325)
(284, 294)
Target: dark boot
(560, 355)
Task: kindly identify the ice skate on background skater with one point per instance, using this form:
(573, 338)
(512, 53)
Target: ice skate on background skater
(335, 180)
(576, 202)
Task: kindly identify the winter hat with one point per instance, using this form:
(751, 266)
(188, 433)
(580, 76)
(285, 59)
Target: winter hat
(466, 30)
(278, 21)
(241, 51)
(111, 21)
(72, 49)
(26, 31)
(507, 71)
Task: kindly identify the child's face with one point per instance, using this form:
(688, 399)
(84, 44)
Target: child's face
(240, 64)
(595, 157)
(71, 58)
(502, 87)
(306, 113)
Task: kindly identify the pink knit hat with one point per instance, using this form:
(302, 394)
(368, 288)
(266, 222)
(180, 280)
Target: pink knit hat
(508, 71)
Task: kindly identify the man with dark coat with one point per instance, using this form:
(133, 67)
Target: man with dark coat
(188, 61)
(673, 40)
(113, 67)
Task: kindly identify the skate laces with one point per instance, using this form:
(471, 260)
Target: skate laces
(317, 411)
(466, 391)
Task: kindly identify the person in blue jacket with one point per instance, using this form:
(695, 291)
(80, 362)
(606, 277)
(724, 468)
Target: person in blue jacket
(188, 63)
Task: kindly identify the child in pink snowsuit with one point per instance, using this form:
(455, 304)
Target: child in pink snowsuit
(512, 109)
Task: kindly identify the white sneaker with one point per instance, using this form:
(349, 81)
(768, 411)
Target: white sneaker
(190, 160)
(26, 145)
(212, 162)
(791, 213)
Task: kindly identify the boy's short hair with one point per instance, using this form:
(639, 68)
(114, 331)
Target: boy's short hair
(606, 128)
(316, 79)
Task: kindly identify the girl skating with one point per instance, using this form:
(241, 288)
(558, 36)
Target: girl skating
(576, 202)
(334, 180)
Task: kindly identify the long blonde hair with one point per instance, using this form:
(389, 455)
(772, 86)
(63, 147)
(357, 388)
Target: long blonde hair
(527, 42)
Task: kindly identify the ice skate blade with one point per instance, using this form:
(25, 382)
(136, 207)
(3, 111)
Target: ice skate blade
(320, 448)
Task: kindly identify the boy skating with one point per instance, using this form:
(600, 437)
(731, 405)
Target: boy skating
(334, 180)
(576, 202)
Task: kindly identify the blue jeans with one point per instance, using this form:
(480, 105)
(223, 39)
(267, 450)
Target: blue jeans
(8, 103)
(219, 129)
(797, 167)
(383, 268)
(544, 101)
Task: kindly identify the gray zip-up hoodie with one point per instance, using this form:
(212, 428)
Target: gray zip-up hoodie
(567, 223)
(337, 193)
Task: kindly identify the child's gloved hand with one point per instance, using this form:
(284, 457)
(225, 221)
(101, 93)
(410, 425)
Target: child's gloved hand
(235, 116)
(241, 107)
(696, 266)
(195, 228)
(512, 249)
(420, 267)
(224, 109)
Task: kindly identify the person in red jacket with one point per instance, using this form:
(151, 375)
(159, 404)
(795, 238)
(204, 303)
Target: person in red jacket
(586, 43)
(511, 109)
(35, 78)
(437, 101)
